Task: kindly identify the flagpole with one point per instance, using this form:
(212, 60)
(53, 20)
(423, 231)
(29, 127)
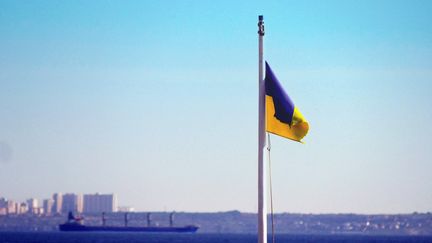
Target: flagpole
(262, 208)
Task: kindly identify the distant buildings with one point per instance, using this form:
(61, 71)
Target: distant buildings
(12, 207)
(98, 203)
(48, 205)
(64, 203)
(33, 206)
(3, 205)
(3, 202)
(72, 203)
(58, 203)
(22, 208)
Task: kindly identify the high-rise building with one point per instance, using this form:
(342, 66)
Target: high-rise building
(58, 203)
(3, 204)
(48, 205)
(98, 203)
(32, 204)
(80, 203)
(17, 207)
(72, 203)
(11, 207)
(23, 208)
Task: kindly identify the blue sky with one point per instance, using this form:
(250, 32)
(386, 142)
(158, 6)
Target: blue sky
(157, 102)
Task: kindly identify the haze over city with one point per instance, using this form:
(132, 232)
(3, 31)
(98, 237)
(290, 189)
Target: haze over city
(157, 103)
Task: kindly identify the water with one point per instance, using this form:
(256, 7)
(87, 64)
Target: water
(86, 237)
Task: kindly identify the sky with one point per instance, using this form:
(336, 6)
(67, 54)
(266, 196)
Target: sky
(156, 101)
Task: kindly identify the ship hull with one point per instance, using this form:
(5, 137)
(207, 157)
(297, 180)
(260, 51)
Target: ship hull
(78, 227)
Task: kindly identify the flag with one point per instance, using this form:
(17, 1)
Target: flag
(282, 117)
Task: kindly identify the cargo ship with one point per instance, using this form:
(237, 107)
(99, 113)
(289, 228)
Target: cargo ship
(76, 224)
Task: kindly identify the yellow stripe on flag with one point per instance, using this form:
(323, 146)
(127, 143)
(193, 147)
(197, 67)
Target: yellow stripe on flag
(298, 129)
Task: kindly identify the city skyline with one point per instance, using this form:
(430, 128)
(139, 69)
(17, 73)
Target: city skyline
(157, 101)
(63, 203)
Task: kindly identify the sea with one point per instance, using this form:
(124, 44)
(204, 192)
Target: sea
(111, 237)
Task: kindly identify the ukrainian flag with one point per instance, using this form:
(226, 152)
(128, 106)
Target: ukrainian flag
(282, 117)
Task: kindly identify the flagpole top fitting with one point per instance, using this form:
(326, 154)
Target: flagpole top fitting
(261, 25)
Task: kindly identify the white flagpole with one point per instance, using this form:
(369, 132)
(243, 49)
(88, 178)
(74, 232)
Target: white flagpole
(262, 205)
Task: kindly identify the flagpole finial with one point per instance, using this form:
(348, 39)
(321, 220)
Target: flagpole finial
(261, 25)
